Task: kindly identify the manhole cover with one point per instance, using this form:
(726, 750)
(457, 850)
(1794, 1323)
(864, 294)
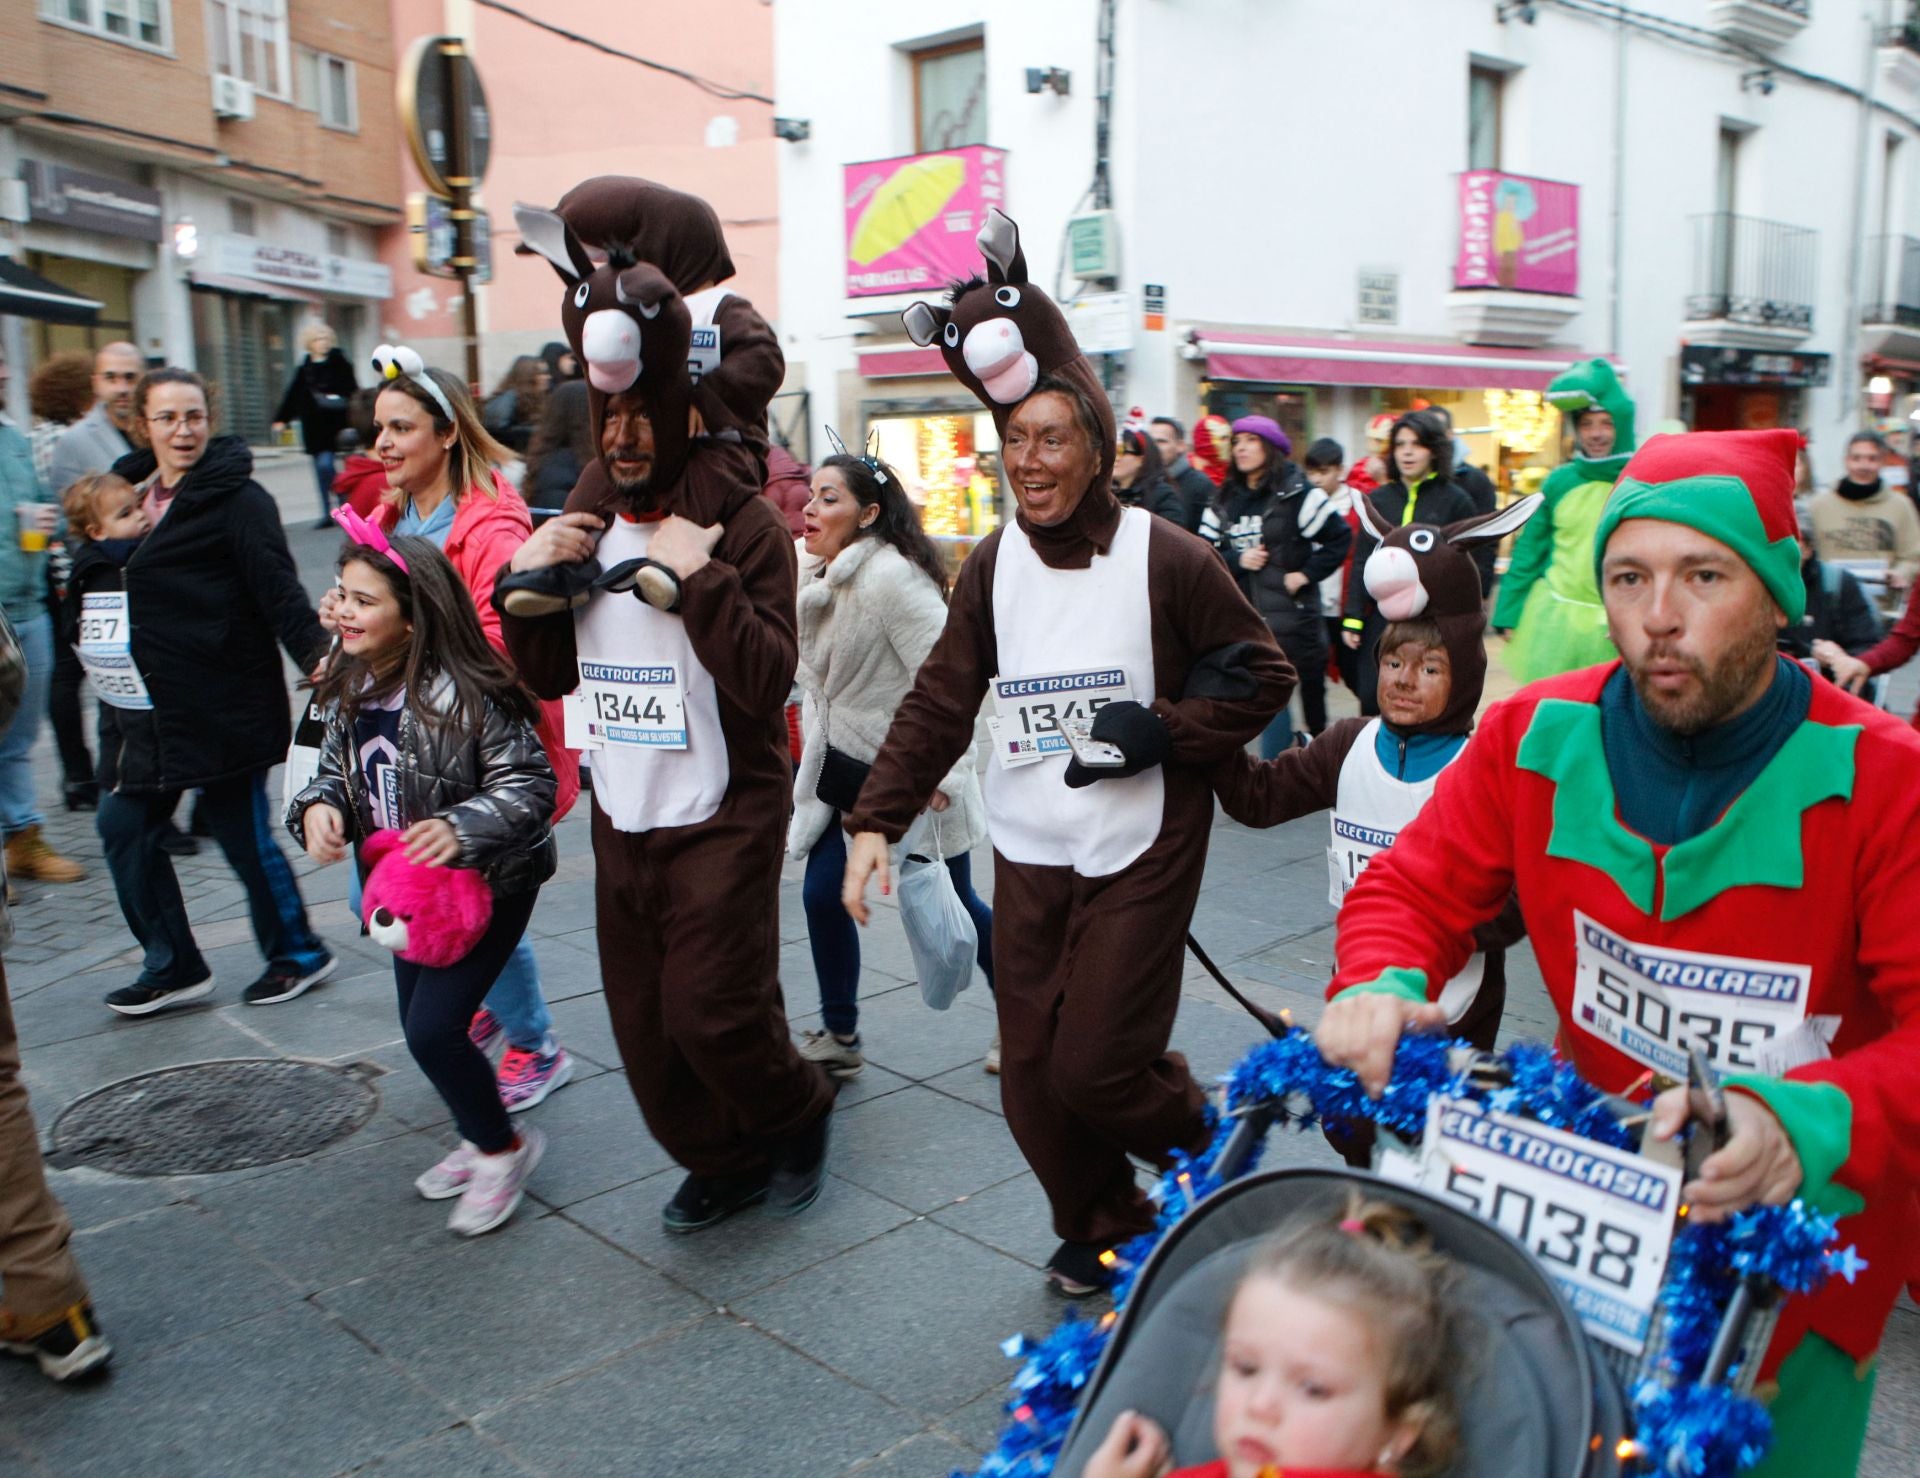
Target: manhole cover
(210, 1116)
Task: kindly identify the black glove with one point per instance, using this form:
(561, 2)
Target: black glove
(1132, 728)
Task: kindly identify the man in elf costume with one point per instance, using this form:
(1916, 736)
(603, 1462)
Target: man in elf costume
(1707, 844)
(1547, 596)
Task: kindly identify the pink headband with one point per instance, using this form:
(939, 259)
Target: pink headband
(362, 532)
(1354, 1227)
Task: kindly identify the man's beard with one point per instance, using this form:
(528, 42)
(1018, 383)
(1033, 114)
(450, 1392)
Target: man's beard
(1719, 693)
(636, 488)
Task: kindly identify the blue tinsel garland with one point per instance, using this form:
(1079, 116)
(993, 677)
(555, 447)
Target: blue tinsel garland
(1681, 1427)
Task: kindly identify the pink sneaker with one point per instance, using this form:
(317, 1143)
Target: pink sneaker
(486, 1031)
(448, 1178)
(526, 1078)
(497, 1185)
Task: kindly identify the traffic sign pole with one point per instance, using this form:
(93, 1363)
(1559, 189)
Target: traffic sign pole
(464, 261)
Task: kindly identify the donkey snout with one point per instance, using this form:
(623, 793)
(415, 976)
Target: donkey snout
(996, 352)
(610, 343)
(1393, 580)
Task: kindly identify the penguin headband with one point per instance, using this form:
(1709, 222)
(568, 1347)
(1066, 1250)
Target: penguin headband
(867, 459)
(391, 361)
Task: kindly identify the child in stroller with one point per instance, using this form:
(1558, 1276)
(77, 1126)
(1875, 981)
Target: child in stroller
(1338, 1356)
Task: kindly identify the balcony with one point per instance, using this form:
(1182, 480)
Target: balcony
(1766, 23)
(1899, 51)
(1516, 279)
(1752, 283)
(1890, 298)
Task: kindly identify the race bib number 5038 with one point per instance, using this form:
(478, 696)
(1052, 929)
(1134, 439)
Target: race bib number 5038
(1650, 1001)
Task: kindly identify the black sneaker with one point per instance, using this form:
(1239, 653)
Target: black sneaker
(83, 795)
(176, 843)
(801, 1169)
(70, 1349)
(140, 999)
(704, 1200)
(283, 983)
(547, 591)
(1076, 1271)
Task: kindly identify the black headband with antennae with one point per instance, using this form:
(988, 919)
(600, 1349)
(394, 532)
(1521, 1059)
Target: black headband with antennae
(867, 459)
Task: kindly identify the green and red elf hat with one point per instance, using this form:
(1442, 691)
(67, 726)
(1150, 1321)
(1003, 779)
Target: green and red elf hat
(1734, 486)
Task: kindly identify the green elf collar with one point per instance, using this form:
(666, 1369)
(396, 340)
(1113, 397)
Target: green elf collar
(1755, 844)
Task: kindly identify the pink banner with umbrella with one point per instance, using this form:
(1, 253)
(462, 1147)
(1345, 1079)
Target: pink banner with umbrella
(1518, 232)
(911, 221)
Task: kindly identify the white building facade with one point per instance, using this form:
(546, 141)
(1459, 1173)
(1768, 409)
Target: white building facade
(1328, 210)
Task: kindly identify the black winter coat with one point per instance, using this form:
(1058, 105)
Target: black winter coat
(1837, 611)
(1486, 498)
(208, 592)
(1301, 532)
(1441, 501)
(310, 398)
(1196, 491)
(1161, 498)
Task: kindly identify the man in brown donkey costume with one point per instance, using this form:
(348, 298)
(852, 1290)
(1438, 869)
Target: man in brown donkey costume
(680, 696)
(1079, 608)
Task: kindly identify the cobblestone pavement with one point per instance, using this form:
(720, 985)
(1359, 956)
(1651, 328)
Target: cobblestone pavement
(315, 1316)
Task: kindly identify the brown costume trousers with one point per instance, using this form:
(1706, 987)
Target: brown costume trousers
(1087, 981)
(689, 926)
(39, 1280)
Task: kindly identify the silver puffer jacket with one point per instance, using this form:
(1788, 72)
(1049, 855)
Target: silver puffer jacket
(495, 789)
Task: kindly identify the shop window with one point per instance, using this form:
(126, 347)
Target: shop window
(241, 219)
(327, 85)
(138, 22)
(248, 39)
(337, 243)
(950, 96)
(949, 461)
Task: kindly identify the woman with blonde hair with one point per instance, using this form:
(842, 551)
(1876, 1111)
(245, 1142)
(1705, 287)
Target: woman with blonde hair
(443, 486)
(317, 398)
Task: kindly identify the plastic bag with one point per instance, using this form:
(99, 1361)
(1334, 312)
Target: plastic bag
(939, 929)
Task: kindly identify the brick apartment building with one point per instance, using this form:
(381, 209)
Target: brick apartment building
(212, 173)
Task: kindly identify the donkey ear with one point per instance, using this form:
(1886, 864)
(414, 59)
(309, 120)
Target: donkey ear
(553, 239)
(1491, 526)
(1370, 516)
(999, 242)
(924, 322)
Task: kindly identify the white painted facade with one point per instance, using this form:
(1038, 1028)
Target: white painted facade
(1265, 152)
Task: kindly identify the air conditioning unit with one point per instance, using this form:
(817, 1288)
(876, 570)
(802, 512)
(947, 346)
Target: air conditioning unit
(232, 97)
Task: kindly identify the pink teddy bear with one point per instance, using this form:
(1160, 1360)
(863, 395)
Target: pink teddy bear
(426, 915)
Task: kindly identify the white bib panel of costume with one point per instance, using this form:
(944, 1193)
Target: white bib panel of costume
(705, 348)
(1048, 621)
(641, 789)
(1369, 809)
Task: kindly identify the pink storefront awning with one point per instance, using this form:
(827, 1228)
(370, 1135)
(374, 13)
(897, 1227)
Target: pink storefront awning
(886, 364)
(1375, 362)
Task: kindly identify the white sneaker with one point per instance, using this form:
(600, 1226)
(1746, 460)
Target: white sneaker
(991, 1063)
(840, 1059)
(450, 1176)
(496, 1187)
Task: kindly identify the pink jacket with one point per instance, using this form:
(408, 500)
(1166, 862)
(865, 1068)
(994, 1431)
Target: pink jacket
(486, 531)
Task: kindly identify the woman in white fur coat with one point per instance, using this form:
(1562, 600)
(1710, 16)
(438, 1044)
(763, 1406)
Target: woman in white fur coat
(872, 603)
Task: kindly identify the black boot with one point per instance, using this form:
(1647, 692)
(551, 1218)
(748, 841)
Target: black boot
(704, 1200)
(800, 1169)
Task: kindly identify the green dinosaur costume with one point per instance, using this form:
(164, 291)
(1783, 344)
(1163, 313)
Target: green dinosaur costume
(1548, 596)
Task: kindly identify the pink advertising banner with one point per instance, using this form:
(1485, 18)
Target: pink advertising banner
(911, 221)
(1518, 233)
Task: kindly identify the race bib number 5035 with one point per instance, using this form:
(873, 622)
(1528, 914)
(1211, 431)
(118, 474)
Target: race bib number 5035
(1599, 1219)
(1650, 1001)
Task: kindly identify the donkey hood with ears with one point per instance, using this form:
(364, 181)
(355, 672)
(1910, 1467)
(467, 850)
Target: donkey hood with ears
(629, 328)
(1419, 572)
(1000, 334)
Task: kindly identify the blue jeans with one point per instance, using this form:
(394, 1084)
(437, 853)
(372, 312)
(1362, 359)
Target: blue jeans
(835, 937)
(516, 997)
(17, 808)
(323, 474)
(235, 812)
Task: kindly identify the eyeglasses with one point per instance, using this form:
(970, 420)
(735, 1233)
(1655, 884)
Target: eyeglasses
(167, 420)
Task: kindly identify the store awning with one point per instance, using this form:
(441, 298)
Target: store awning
(910, 359)
(1287, 359)
(27, 294)
(253, 288)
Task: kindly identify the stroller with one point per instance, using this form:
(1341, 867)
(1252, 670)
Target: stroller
(1543, 1398)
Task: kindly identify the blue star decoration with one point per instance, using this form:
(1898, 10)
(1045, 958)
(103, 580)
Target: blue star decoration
(1847, 1262)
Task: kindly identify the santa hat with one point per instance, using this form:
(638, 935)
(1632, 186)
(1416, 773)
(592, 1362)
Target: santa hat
(1134, 431)
(1734, 486)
